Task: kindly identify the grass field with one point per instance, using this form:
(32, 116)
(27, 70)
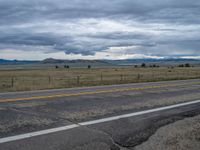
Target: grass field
(36, 79)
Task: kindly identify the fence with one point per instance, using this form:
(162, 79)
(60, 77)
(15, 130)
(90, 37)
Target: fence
(19, 83)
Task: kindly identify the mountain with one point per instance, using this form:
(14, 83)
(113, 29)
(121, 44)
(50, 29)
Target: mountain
(161, 62)
(4, 61)
(80, 62)
(77, 61)
(16, 62)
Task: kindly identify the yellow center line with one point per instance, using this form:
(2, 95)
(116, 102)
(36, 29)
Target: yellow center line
(49, 97)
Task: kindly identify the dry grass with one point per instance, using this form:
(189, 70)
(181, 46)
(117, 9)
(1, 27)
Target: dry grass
(22, 80)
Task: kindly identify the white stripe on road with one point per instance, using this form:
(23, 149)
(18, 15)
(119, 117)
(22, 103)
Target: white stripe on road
(38, 133)
(64, 128)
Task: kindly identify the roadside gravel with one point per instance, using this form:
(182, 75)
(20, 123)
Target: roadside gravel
(181, 135)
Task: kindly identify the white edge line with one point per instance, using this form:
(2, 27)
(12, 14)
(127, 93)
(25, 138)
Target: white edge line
(53, 130)
(38, 133)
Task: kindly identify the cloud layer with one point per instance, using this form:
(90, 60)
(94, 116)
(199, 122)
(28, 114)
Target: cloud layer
(104, 29)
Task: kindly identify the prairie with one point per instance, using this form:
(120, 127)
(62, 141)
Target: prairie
(50, 77)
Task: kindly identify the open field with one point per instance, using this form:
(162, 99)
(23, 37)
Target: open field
(46, 78)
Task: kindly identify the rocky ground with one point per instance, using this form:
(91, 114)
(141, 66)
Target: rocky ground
(181, 135)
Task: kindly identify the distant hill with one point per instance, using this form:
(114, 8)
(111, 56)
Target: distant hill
(161, 62)
(4, 61)
(80, 62)
(16, 62)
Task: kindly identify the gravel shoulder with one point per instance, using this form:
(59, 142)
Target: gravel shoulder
(181, 135)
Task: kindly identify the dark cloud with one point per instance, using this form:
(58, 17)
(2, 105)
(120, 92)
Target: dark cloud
(153, 27)
(165, 10)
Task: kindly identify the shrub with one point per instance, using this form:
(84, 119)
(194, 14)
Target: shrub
(143, 65)
(89, 66)
(181, 65)
(66, 66)
(187, 65)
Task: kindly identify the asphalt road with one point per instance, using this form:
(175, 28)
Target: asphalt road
(28, 112)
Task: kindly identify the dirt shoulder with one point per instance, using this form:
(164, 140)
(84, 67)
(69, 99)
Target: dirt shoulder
(181, 135)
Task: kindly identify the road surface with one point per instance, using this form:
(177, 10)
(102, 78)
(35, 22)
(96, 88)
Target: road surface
(101, 118)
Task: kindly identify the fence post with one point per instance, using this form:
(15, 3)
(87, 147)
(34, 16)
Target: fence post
(153, 76)
(49, 80)
(121, 77)
(197, 75)
(12, 82)
(78, 79)
(138, 77)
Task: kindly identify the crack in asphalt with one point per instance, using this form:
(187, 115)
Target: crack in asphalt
(137, 138)
(142, 136)
(115, 145)
(154, 129)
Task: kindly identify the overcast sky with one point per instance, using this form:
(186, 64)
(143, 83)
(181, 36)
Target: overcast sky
(104, 29)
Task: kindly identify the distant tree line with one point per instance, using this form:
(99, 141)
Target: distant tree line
(185, 65)
(67, 66)
(143, 65)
